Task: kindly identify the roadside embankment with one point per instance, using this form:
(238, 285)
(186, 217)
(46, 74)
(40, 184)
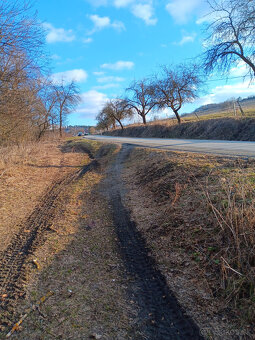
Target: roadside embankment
(224, 129)
(196, 214)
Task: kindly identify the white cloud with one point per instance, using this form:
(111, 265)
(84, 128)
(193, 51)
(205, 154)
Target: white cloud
(98, 3)
(182, 10)
(240, 70)
(101, 23)
(142, 9)
(110, 79)
(87, 40)
(77, 75)
(106, 86)
(122, 3)
(100, 73)
(206, 17)
(188, 38)
(55, 57)
(118, 25)
(145, 12)
(57, 34)
(225, 92)
(119, 65)
(91, 103)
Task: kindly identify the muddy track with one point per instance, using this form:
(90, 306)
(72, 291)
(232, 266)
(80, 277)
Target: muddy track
(31, 234)
(160, 315)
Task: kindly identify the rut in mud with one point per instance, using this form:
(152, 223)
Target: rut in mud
(13, 259)
(161, 317)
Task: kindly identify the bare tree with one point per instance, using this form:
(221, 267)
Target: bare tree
(47, 107)
(142, 98)
(20, 106)
(176, 86)
(231, 35)
(118, 109)
(104, 121)
(21, 68)
(67, 99)
(20, 32)
(113, 111)
(21, 38)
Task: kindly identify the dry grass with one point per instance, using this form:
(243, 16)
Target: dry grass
(196, 213)
(201, 231)
(26, 171)
(233, 206)
(80, 263)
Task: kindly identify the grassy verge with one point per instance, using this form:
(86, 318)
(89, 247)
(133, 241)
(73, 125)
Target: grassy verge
(197, 214)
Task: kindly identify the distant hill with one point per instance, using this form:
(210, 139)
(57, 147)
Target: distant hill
(225, 107)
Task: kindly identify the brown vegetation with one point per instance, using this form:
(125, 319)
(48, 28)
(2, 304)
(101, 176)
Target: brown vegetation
(197, 214)
(89, 291)
(26, 172)
(30, 103)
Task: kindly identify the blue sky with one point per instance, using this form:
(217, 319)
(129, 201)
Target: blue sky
(105, 44)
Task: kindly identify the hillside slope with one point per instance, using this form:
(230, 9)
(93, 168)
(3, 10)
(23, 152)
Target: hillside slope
(227, 107)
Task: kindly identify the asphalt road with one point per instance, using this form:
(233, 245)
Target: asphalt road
(216, 147)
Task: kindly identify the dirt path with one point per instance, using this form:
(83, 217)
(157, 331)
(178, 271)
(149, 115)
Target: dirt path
(160, 316)
(14, 258)
(106, 274)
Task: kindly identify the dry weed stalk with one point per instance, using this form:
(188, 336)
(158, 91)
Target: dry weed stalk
(178, 190)
(14, 154)
(234, 210)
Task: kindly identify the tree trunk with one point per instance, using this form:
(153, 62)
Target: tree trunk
(118, 120)
(52, 125)
(60, 124)
(144, 119)
(177, 116)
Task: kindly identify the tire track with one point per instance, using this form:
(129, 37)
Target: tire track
(161, 317)
(30, 235)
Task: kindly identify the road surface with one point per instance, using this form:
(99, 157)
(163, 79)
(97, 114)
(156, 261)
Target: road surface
(216, 147)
